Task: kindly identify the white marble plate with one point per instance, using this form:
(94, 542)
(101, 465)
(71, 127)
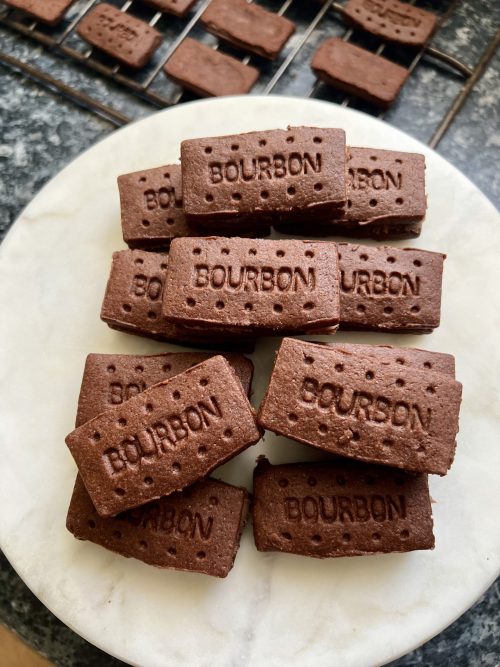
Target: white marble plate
(273, 609)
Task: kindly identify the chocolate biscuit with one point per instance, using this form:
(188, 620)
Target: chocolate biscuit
(384, 186)
(165, 438)
(358, 72)
(151, 207)
(264, 175)
(111, 379)
(175, 7)
(392, 20)
(133, 297)
(207, 72)
(385, 197)
(389, 289)
(119, 34)
(248, 26)
(360, 407)
(46, 11)
(252, 285)
(152, 213)
(197, 530)
(327, 510)
(132, 302)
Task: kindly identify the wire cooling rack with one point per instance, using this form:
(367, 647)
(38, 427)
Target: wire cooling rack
(314, 20)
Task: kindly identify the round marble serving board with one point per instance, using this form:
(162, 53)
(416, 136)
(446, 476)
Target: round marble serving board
(273, 609)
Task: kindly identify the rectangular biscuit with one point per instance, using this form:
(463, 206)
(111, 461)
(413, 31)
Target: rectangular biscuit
(120, 35)
(133, 298)
(392, 20)
(390, 289)
(207, 72)
(46, 11)
(196, 530)
(358, 72)
(264, 175)
(151, 207)
(165, 438)
(252, 285)
(111, 379)
(384, 186)
(175, 7)
(152, 213)
(248, 26)
(328, 510)
(385, 197)
(134, 293)
(359, 407)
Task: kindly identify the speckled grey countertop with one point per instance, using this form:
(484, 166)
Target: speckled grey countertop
(40, 133)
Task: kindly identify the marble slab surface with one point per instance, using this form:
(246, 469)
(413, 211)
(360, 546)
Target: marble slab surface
(272, 609)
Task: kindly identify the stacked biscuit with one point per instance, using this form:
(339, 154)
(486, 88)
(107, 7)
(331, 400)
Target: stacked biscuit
(150, 429)
(301, 180)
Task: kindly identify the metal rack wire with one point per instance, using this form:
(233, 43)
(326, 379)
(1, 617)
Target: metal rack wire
(150, 84)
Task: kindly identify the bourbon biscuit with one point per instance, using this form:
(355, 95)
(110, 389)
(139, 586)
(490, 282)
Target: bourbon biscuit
(248, 26)
(385, 198)
(165, 438)
(119, 34)
(197, 530)
(134, 293)
(384, 186)
(133, 297)
(261, 286)
(209, 73)
(390, 289)
(111, 379)
(327, 510)
(392, 20)
(357, 406)
(264, 175)
(151, 207)
(358, 72)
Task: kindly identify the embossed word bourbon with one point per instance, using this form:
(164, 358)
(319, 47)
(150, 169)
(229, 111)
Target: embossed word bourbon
(260, 285)
(390, 289)
(344, 509)
(392, 20)
(196, 530)
(264, 174)
(165, 438)
(358, 406)
(340, 509)
(151, 207)
(264, 168)
(374, 179)
(254, 279)
(385, 186)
